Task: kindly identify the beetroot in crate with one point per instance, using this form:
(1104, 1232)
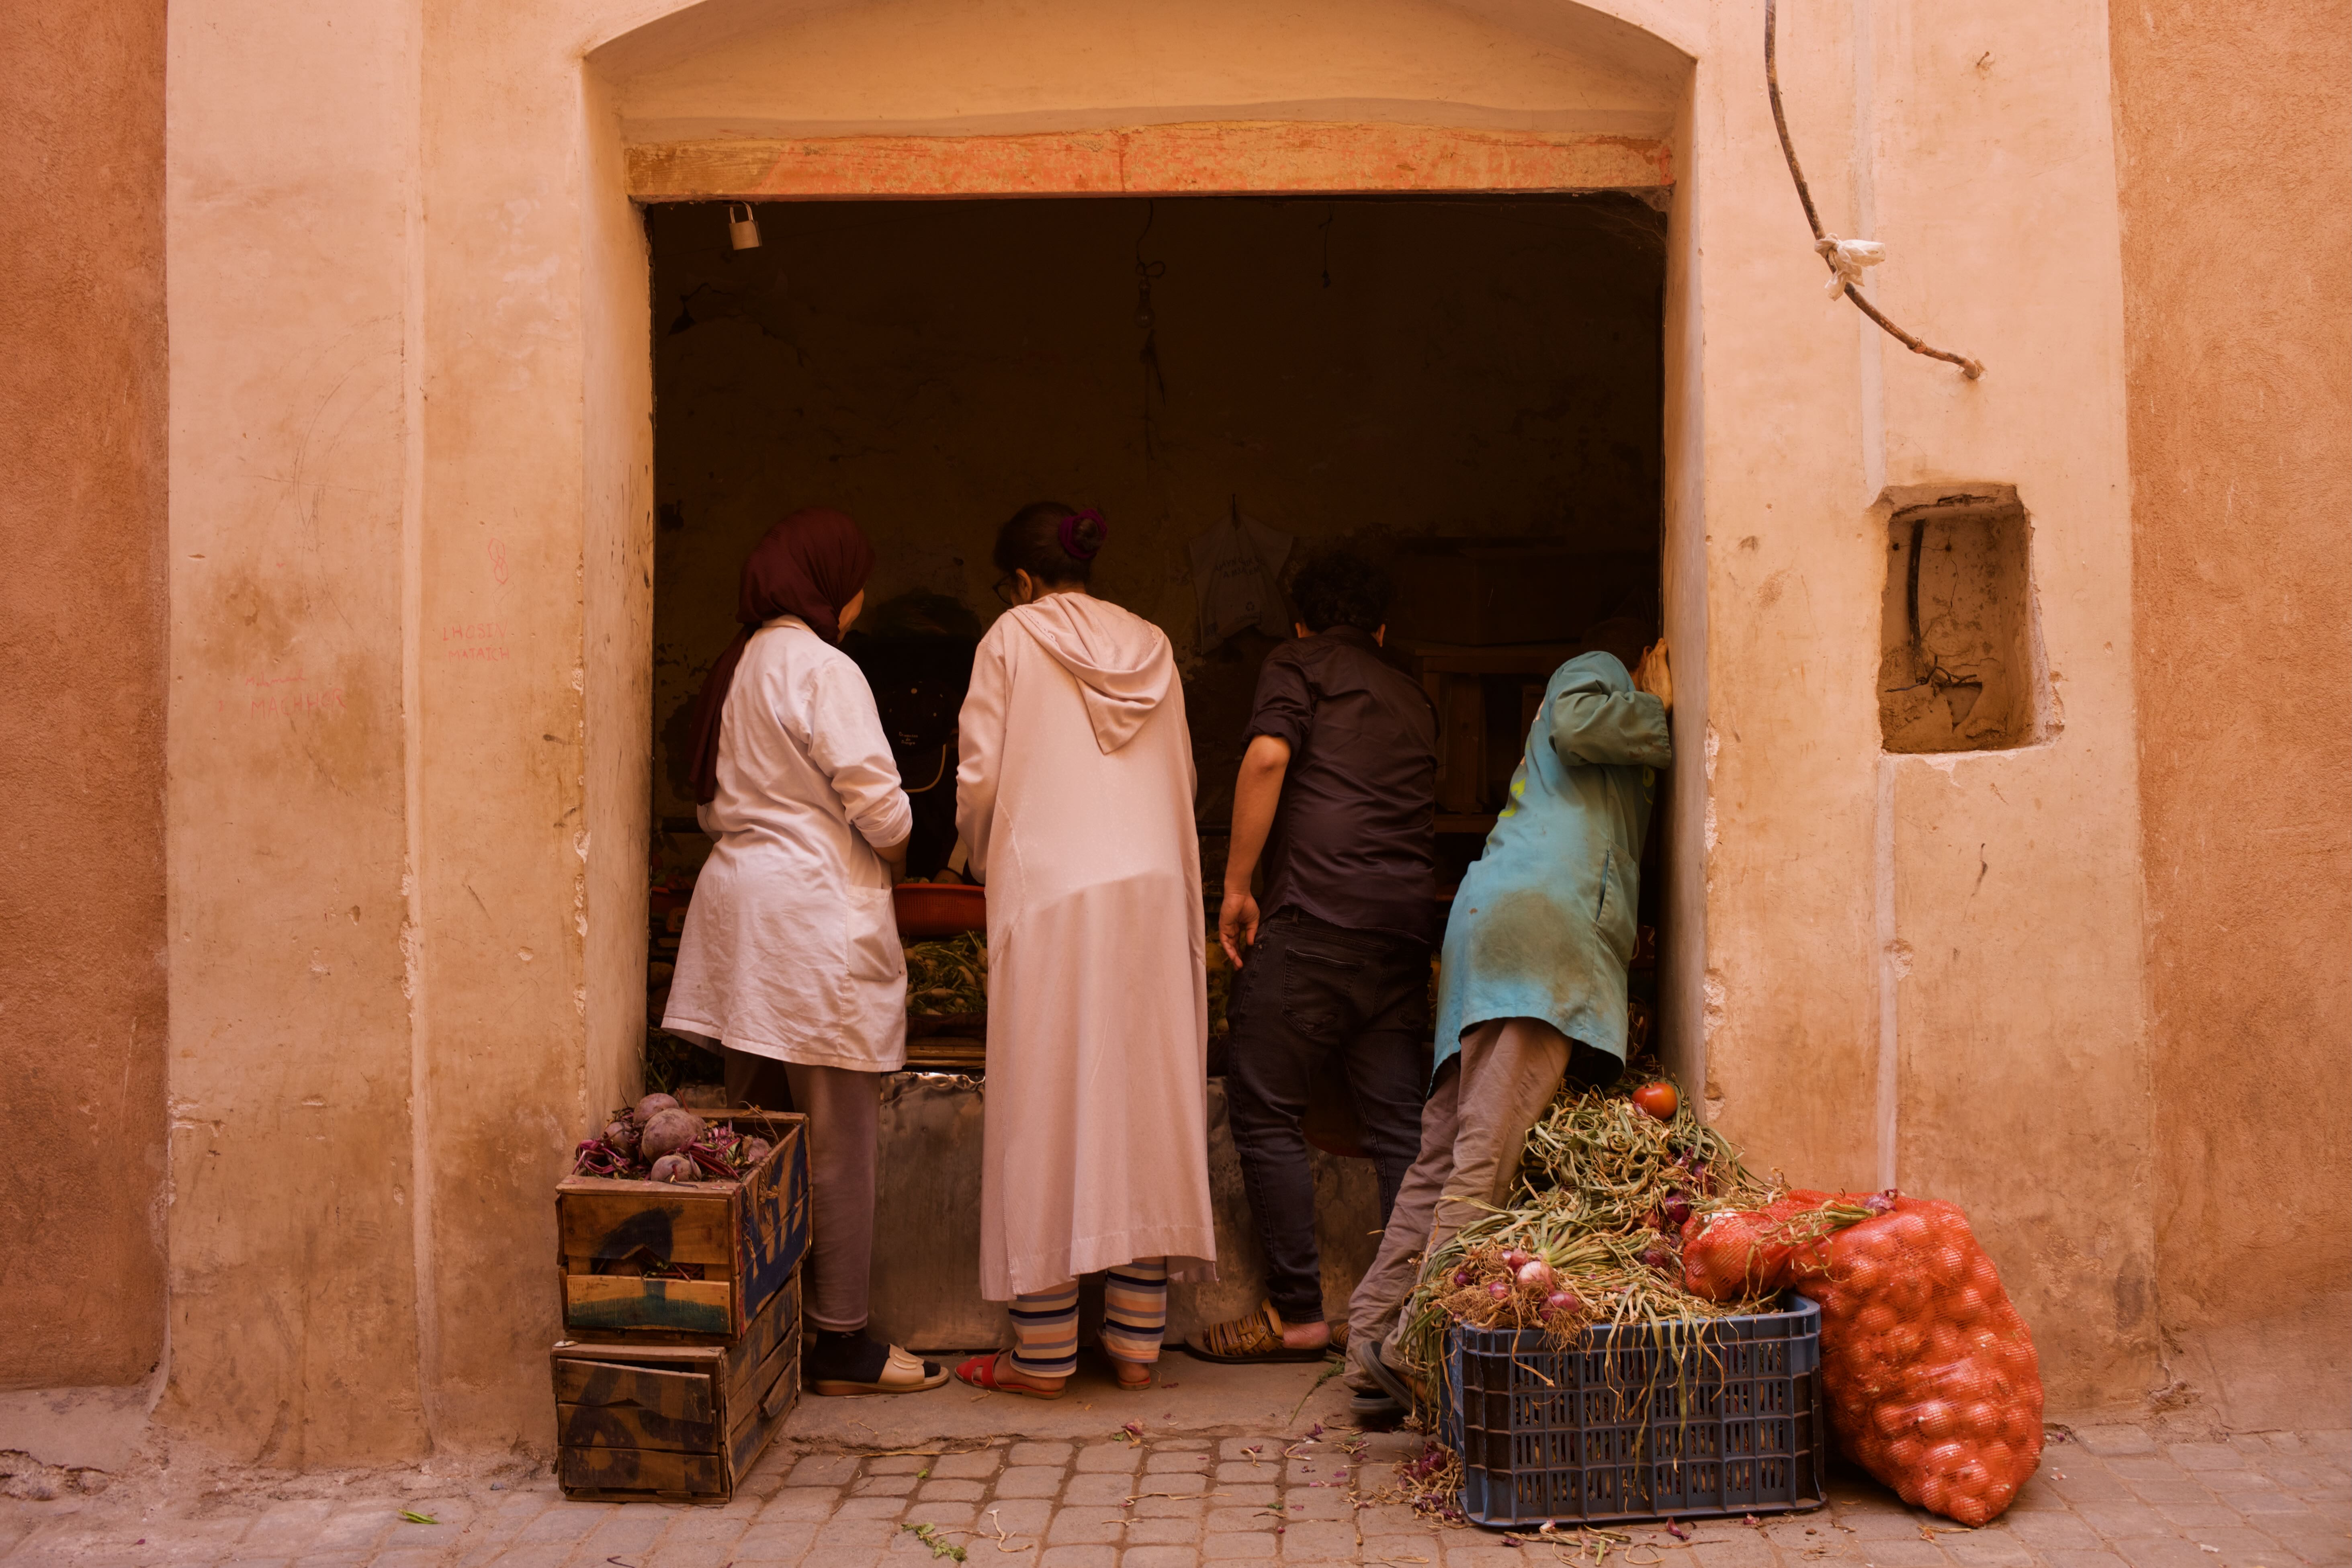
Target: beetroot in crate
(690, 1258)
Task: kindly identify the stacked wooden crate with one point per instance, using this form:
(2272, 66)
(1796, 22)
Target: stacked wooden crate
(682, 1315)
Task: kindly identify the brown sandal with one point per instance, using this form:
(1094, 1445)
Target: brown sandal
(1253, 1337)
(1119, 1361)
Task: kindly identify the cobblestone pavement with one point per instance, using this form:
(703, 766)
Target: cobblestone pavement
(2112, 1497)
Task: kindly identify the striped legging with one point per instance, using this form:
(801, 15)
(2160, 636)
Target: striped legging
(1135, 1314)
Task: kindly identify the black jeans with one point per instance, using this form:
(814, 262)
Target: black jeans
(1314, 997)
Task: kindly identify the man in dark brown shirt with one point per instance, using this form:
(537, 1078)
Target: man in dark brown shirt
(1339, 789)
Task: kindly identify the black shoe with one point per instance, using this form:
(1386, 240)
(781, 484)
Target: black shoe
(850, 1363)
(1365, 1358)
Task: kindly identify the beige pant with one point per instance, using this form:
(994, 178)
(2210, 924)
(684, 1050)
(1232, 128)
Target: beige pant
(845, 1112)
(1472, 1131)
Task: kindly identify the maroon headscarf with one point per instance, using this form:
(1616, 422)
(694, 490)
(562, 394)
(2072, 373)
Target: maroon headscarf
(810, 565)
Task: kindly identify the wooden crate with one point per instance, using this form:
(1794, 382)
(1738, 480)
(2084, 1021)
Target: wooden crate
(742, 1239)
(675, 1423)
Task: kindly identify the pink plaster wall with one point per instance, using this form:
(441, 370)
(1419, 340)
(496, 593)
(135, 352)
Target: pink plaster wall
(298, 1196)
(81, 689)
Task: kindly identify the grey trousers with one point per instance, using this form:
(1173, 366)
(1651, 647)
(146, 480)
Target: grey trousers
(845, 1112)
(1472, 1131)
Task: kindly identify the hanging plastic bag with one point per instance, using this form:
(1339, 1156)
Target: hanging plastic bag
(1847, 257)
(1933, 1382)
(1236, 567)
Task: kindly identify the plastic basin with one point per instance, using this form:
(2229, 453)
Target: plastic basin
(937, 909)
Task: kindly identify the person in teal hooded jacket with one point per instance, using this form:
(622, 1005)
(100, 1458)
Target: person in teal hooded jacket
(1533, 978)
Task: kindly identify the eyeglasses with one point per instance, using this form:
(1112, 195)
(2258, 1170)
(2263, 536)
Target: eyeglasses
(1008, 589)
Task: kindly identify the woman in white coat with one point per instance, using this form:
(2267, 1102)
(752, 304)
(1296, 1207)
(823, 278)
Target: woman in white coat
(790, 959)
(1074, 798)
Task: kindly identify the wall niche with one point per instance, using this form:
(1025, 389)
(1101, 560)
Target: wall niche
(1960, 666)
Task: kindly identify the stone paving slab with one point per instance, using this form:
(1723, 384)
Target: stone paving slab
(1076, 1493)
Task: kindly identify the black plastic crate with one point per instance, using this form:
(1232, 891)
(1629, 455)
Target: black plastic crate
(1708, 1417)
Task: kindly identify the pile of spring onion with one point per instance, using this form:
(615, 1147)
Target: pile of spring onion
(948, 976)
(1591, 1233)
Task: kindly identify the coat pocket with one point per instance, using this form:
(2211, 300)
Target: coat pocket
(874, 956)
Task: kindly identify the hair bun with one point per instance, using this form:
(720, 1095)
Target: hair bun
(1082, 534)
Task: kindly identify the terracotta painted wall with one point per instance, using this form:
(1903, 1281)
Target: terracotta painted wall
(81, 688)
(2242, 594)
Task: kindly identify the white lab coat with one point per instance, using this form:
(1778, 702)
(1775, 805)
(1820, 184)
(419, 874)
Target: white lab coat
(790, 949)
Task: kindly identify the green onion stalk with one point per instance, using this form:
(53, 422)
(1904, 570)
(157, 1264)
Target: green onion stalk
(1590, 1230)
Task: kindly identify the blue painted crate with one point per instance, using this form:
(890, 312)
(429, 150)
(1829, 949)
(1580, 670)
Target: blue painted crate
(738, 1242)
(1714, 1416)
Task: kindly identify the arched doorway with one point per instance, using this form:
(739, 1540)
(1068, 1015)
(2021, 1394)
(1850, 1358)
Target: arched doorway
(998, 310)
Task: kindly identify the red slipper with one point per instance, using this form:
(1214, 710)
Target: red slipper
(980, 1372)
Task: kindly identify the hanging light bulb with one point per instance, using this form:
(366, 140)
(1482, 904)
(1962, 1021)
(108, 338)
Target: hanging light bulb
(742, 229)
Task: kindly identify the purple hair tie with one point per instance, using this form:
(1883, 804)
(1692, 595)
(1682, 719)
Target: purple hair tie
(1070, 534)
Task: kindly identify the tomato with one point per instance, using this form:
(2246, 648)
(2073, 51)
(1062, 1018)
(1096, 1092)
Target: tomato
(1658, 1100)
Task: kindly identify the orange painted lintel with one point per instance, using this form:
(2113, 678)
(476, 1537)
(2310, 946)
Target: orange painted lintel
(1270, 156)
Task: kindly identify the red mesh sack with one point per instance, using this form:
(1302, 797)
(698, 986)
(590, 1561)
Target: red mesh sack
(1932, 1380)
(1733, 1254)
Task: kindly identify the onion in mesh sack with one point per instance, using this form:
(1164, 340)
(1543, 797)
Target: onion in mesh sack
(668, 1131)
(1932, 1382)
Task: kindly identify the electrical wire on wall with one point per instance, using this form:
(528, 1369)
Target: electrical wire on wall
(1845, 257)
(1145, 273)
